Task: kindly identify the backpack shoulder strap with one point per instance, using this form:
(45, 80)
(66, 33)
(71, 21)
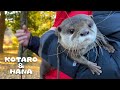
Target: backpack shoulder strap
(45, 41)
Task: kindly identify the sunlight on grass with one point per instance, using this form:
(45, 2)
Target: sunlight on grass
(32, 67)
(7, 62)
(6, 46)
(12, 51)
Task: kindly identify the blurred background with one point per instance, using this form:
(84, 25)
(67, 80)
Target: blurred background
(38, 22)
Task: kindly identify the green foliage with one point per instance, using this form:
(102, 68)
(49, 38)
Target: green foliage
(38, 21)
(13, 20)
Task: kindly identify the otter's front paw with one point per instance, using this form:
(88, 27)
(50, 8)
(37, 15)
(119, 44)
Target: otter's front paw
(110, 48)
(94, 68)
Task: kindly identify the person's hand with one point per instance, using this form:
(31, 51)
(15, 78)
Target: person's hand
(23, 36)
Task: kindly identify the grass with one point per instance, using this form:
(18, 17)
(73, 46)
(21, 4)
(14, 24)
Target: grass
(10, 51)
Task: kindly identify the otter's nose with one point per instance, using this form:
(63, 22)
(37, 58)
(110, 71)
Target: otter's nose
(84, 33)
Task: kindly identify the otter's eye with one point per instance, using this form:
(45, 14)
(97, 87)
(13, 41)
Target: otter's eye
(90, 25)
(59, 29)
(71, 31)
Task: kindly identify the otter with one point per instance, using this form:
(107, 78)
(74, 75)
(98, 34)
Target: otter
(78, 35)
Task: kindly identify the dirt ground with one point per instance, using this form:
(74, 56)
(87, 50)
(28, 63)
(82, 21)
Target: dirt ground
(5, 67)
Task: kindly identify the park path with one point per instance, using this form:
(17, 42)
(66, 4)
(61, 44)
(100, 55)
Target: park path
(5, 67)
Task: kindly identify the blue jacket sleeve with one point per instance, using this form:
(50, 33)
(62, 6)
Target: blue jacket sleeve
(34, 44)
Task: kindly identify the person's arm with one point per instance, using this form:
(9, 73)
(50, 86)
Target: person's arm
(26, 39)
(34, 43)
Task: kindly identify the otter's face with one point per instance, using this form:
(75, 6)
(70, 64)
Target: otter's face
(77, 32)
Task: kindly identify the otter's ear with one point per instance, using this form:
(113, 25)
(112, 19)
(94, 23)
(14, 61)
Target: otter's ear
(57, 31)
(91, 16)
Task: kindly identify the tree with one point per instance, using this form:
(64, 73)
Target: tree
(2, 29)
(38, 21)
(23, 21)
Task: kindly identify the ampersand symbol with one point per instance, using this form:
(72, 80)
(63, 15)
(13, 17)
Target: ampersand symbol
(20, 65)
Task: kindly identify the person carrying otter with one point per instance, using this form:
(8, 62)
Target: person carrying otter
(109, 62)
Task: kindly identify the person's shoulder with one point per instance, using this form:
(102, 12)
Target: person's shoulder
(45, 42)
(48, 34)
(95, 13)
(47, 37)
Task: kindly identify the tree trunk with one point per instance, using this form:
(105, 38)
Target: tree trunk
(23, 21)
(2, 29)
